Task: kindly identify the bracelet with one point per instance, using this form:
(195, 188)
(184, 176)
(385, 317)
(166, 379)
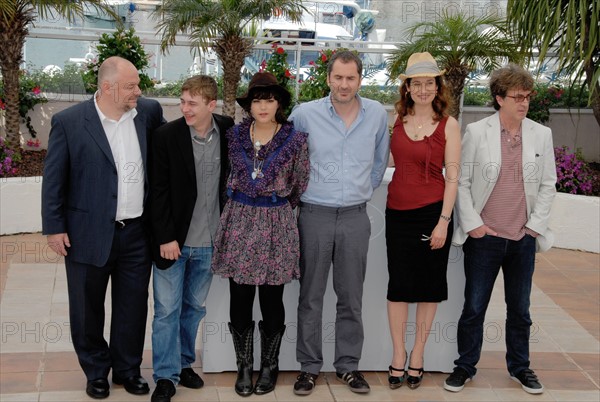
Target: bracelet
(446, 218)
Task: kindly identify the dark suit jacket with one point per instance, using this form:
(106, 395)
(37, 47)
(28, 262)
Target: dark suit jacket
(173, 183)
(79, 190)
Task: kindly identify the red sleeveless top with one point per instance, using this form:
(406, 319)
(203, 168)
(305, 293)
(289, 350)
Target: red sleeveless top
(418, 179)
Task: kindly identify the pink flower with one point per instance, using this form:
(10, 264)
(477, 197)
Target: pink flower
(2, 105)
(33, 143)
(36, 90)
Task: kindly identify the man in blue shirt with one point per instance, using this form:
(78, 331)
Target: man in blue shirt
(349, 149)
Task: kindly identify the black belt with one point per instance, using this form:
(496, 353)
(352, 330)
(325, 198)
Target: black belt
(124, 222)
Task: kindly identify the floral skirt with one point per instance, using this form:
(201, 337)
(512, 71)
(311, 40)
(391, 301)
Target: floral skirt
(257, 245)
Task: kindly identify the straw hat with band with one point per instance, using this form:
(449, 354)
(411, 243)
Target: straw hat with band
(267, 81)
(421, 65)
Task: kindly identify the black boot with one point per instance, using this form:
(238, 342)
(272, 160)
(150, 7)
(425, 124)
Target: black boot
(244, 354)
(269, 360)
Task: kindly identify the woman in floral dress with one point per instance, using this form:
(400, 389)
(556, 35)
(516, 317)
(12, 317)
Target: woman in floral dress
(257, 241)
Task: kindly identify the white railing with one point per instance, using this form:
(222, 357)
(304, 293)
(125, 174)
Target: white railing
(375, 53)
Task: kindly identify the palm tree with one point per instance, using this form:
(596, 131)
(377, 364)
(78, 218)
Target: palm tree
(461, 44)
(15, 18)
(220, 24)
(571, 28)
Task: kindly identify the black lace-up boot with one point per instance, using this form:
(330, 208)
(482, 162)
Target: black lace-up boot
(244, 354)
(269, 360)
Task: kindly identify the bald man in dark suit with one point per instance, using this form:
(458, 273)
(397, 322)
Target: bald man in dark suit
(94, 191)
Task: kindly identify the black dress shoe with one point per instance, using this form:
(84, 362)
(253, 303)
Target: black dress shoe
(190, 379)
(134, 385)
(98, 388)
(163, 392)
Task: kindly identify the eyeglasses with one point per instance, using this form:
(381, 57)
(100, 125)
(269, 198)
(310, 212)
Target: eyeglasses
(520, 98)
(419, 86)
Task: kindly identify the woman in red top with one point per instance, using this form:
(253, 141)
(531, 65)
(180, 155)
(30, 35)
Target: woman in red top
(425, 141)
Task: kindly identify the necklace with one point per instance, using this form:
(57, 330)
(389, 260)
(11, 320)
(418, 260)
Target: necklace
(417, 127)
(513, 135)
(258, 162)
(202, 141)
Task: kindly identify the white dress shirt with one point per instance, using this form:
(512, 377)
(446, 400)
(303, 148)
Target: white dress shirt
(127, 155)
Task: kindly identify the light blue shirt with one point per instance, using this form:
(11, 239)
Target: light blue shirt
(346, 164)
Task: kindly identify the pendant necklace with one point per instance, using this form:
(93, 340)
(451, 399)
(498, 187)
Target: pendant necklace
(417, 126)
(257, 163)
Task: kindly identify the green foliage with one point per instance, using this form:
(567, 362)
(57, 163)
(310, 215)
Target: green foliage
(568, 28)
(67, 81)
(546, 96)
(315, 86)
(173, 89)
(387, 96)
(221, 25)
(554, 96)
(30, 94)
(280, 68)
(461, 44)
(476, 96)
(539, 106)
(124, 44)
(168, 90)
(278, 65)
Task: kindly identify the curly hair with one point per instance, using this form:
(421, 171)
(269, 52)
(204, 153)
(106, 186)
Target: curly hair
(404, 106)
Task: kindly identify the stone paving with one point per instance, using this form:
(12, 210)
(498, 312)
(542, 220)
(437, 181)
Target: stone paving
(37, 362)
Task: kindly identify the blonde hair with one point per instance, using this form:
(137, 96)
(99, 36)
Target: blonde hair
(203, 85)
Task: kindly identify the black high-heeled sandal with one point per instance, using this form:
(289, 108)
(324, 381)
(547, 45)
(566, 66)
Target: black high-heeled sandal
(397, 381)
(412, 381)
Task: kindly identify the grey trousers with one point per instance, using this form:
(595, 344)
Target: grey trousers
(339, 236)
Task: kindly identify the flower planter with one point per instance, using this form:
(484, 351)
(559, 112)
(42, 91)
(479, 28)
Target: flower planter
(20, 201)
(575, 221)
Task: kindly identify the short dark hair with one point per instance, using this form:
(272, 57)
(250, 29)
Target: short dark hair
(511, 76)
(345, 56)
(268, 93)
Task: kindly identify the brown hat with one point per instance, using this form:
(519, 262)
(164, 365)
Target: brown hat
(421, 65)
(264, 80)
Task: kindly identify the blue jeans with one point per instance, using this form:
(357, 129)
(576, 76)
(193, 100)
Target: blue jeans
(179, 295)
(483, 259)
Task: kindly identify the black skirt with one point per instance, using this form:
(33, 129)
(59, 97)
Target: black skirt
(417, 273)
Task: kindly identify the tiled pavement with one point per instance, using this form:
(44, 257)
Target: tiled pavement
(37, 362)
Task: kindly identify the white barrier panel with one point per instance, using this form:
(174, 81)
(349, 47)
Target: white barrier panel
(441, 350)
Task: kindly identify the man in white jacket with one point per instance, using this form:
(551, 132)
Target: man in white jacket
(505, 193)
